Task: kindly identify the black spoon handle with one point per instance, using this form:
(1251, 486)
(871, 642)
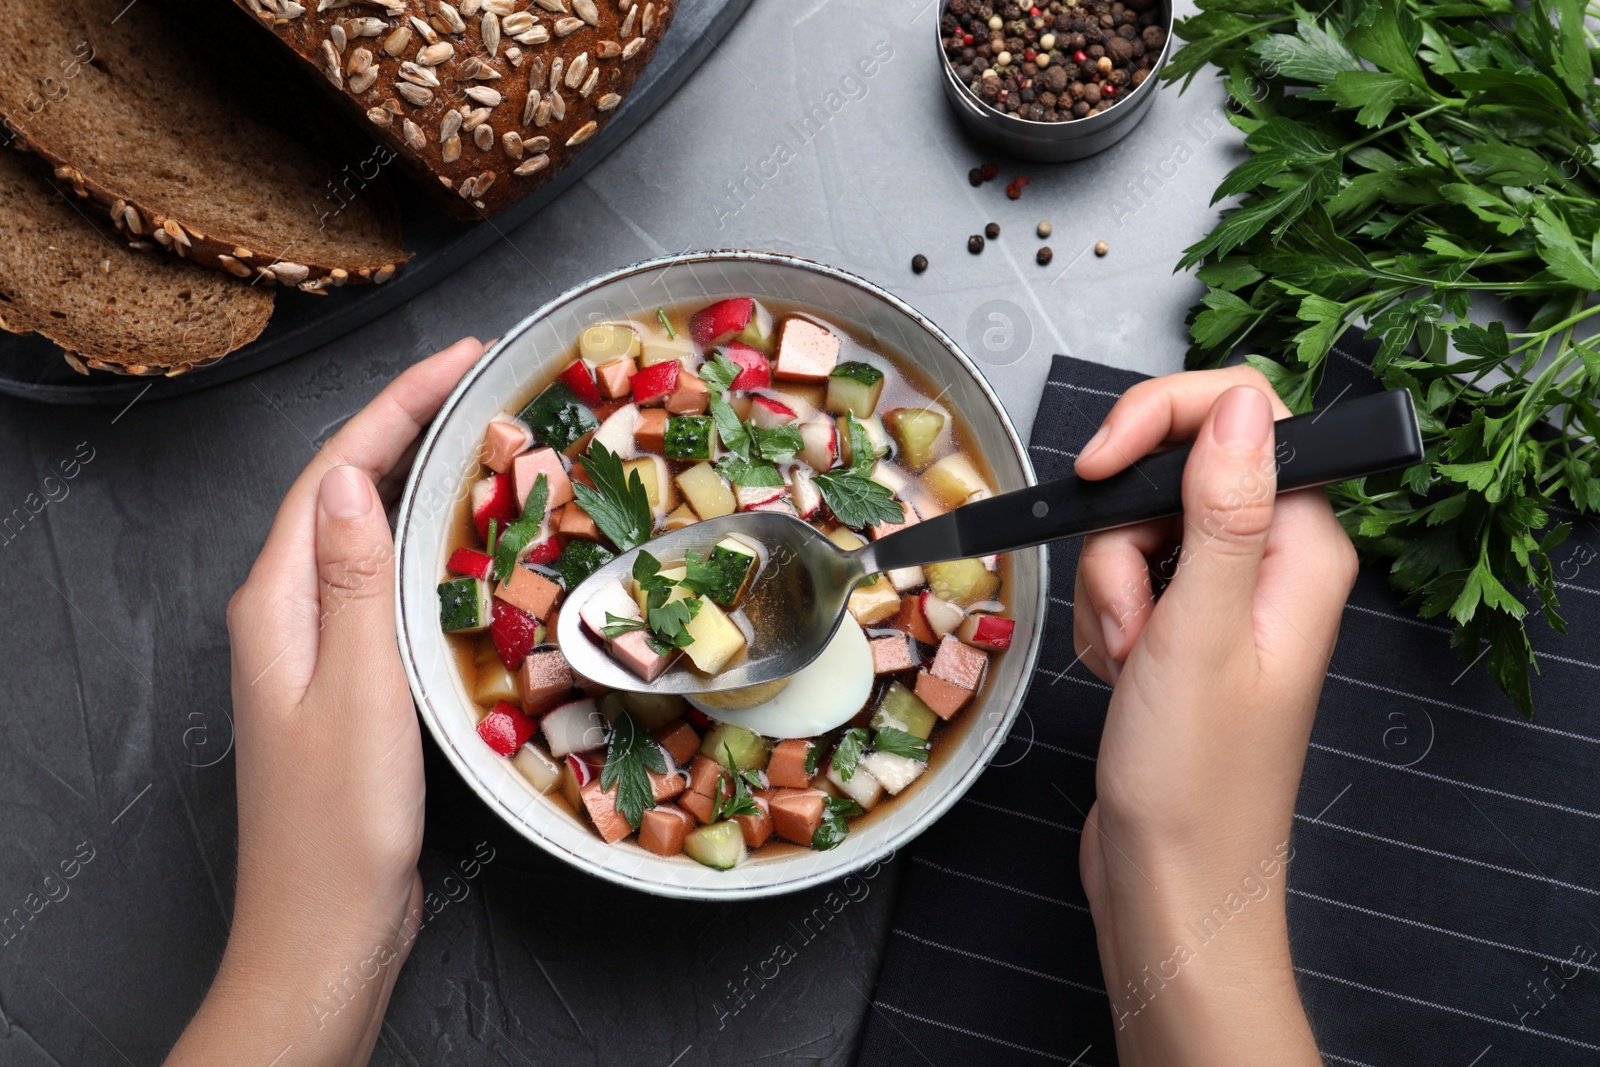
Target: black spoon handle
(1347, 440)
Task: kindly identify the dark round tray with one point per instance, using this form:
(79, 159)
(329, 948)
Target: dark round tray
(33, 368)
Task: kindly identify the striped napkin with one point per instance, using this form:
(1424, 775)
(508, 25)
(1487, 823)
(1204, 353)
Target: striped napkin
(1444, 890)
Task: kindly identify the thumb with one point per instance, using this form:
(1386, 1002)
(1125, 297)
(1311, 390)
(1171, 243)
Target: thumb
(1229, 484)
(355, 573)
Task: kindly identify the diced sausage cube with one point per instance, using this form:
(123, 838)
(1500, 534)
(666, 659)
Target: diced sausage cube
(806, 352)
(651, 433)
(666, 786)
(533, 593)
(572, 521)
(910, 620)
(698, 805)
(503, 441)
(663, 829)
(884, 529)
(615, 379)
(633, 650)
(960, 664)
(891, 654)
(680, 740)
(756, 828)
(527, 468)
(546, 681)
(796, 814)
(945, 698)
(705, 776)
(691, 397)
(787, 767)
(601, 804)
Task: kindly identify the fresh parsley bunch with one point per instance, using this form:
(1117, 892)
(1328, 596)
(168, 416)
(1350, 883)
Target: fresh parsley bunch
(1418, 170)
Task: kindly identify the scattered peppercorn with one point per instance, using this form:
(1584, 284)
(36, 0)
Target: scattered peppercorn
(919, 263)
(1015, 186)
(1044, 229)
(989, 171)
(1037, 62)
(1044, 255)
(992, 230)
(975, 243)
(1101, 248)
(975, 177)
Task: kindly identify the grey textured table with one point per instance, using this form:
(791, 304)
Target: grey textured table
(115, 726)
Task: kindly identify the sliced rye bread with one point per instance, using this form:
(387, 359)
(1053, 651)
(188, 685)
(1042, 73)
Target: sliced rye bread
(484, 100)
(189, 135)
(71, 278)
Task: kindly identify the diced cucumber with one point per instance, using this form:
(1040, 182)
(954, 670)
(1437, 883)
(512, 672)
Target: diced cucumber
(651, 710)
(904, 710)
(464, 605)
(579, 559)
(749, 749)
(688, 437)
(875, 433)
(917, 430)
(730, 566)
(557, 417)
(854, 388)
(720, 845)
(963, 582)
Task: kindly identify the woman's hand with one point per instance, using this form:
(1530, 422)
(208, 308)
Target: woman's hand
(329, 757)
(1183, 856)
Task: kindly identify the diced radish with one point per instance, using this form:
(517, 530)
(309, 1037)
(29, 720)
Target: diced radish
(577, 726)
(581, 382)
(494, 498)
(769, 414)
(987, 631)
(755, 372)
(515, 634)
(820, 440)
(470, 563)
(506, 728)
(722, 322)
(905, 579)
(891, 478)
(541, 772)
(611, 599)
(753, 497)
(698, 719)
(942, 616)
(581, 770)
(862, 787)
(895, 772)
(655, 383)
(619, 432)
(807, 497)
(544, 552)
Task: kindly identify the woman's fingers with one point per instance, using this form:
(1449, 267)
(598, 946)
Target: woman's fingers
(355, 583)
(282, 591)
(1162, 411)
(1229, 484)
(1114, 594)
(1305, 577)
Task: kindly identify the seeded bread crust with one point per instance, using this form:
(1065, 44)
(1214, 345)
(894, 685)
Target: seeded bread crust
(123, 103)
(485, 100)
(75, 281)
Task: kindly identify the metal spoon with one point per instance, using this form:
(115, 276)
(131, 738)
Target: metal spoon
(797, 599)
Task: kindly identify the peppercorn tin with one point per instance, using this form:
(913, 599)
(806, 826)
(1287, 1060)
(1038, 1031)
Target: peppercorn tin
(1053, 142)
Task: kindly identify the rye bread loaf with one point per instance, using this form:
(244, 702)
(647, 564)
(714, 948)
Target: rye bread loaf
(74, 280)
(484, 100)
(193, 139)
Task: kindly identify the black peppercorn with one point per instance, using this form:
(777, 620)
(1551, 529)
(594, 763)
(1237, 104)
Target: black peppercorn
(975, 176)
(1044, 255)
(975, 243)
(919, 263)
(992, 230)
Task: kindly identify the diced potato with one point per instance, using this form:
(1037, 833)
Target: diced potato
(893, 771)
(953, 480)
(845, 538)
(542, 772)
(708, 492)
(671, 574)
(963, 582)
(683, 516)
(494, 683)
(607, 341)
(872, 604)
(716, 639)
(917, 430)
(657, 484)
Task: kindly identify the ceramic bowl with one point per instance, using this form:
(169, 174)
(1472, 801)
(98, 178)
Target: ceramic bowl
(526, 358)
